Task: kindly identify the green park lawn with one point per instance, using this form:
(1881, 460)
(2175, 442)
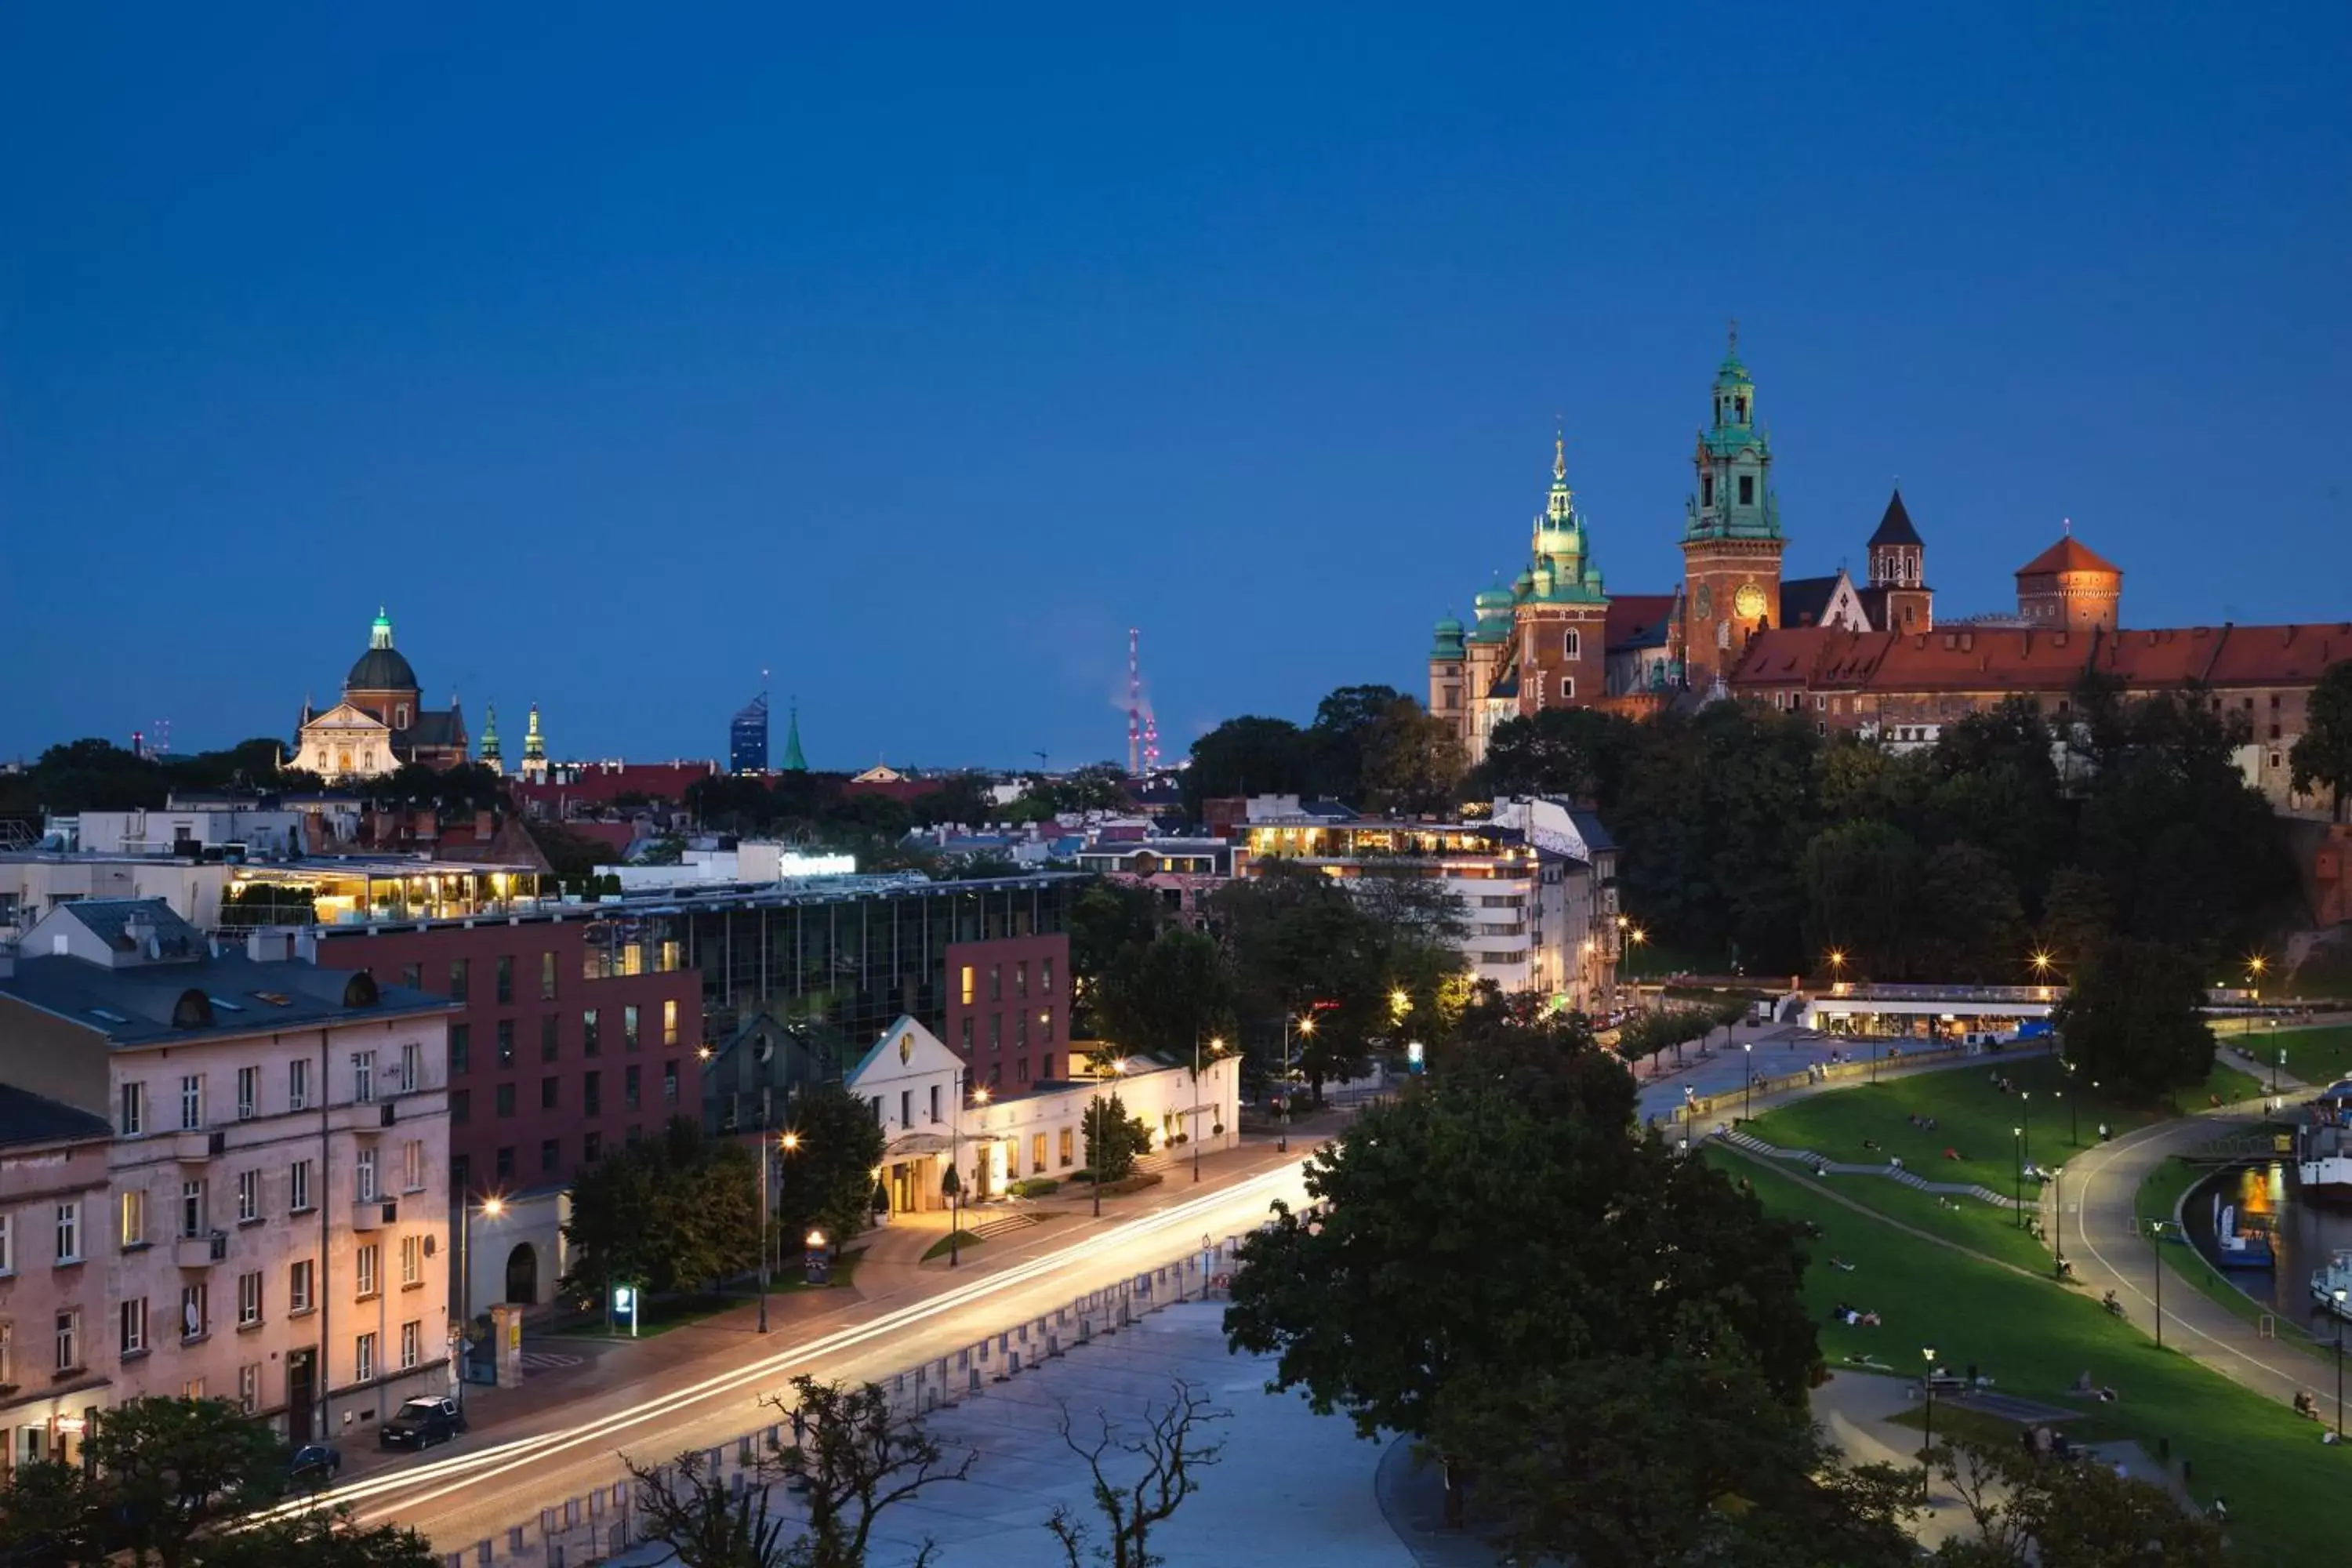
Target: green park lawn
(2034, 1338)
(2318, 1057)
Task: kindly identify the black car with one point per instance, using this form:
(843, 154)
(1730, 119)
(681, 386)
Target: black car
(314, 1464)
(421, 1423)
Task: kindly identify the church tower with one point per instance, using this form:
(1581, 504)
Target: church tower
(1898, 572)
(534, 751)
(1561, 611)
(489, 753)
(1731, 532)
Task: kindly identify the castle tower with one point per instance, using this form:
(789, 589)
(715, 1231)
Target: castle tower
(2068, 588)
(490, 756)
(1561, 611)
(534, 751)
(1731, 532)
(1447, 665)
(1898, 570)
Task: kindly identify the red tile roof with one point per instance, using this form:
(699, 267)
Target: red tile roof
(2011, 659)
(1633, 613)
(2069, 554)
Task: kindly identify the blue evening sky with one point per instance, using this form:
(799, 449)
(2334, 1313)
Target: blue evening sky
(916, 354)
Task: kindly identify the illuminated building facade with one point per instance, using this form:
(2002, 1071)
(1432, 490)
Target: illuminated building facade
(381, 722)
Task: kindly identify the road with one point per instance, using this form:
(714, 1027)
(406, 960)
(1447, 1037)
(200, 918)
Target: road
(475, 1493)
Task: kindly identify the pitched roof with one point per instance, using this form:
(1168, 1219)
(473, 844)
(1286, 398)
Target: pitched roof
(29, 1118)
(1895, 528)
(1804, 600)
(434, 727)
(136, 1006)
(2069, 554)
(110, 921)
(1637, 620)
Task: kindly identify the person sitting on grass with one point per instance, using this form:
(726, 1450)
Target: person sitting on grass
(1951, 1153)
(1840, 1263)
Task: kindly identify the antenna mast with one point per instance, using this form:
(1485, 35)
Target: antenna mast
(1134, 702)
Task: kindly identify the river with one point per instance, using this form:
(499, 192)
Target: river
(2304, 1235)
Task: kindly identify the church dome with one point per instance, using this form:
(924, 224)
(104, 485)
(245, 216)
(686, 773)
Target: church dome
(1493, 601)
(383, 668)
(1447, 626)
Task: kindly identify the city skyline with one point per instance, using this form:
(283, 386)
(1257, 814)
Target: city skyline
(839, 333)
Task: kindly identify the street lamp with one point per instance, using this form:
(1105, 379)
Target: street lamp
(791, 1145)
(2156, 1267)
(1305, 1027)
(2025, 1110)
(951, 1184)
(492, 1207)
(2338, 1294)
(1747, 1094)
(1927, 1382)
(2058, 1221)
(1216, 1050)
(1837, 967)
(2017, 1173)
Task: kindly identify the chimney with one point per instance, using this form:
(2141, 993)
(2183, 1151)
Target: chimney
(269, 944)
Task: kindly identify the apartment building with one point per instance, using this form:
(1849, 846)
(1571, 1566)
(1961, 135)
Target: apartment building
(53, 1375)
(275, 1188)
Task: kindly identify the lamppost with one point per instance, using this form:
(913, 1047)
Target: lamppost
(2338, 1294)
(2025, 1113)
(951, 1184)
(2156, 1267)
(789, 1143)
(1305, 1027)
(2277, 1062)
(1748, 1093)
(2017, 1173)
(1837, 968)
(1927, 1382)
(491, 1207)
(2058, 1223)
(1690, 1113)
(2255, 967)
(1216, 1050)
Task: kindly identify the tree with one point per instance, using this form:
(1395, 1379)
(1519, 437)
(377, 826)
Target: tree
(1386, 1299)
(1343, 734)
(2132, 1018)
(963, 798)
(1574, 754)
(2322, 757)
(1967, 920)
(675, 1212)
(1412, 762)
(850, 1457)
(1245, 756)
(173, 1466)
(1166, 997)
(1114, 1139)
(2036, 1511)
(1304, 948)
(51, 1511)
(1107, 920)
(826, 1179)
(1163, 1458)
(569, 855)
(2077, 915)
(1857, 879)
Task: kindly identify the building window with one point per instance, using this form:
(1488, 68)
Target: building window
(364, 1358)
(591, 1035)
(298, 1286)
(70, 1232)
(69, 1341)
(461, 1171)
(669, 1024)
(591, 1094)
(133, 1313)
(248, 1196)
(504, 979)
(1706, 489)
(363, 1077)
(1746, 490)
(1045, 1029)
(412, 1165)
(248, 1299)
(248, 1092)
(1568, 688)
(965, 987)
(363, 1186)
(591, 1147)
(248, 1387)
(133, 1119)
(995, 1032)
(411, 1338)
(1069, 1155)
(1045, 977)
(364, 1262)
(191, 1104)
(196, 1312)
(506, 1100)
(996, 982)
(411, 975)
(669, 1083)
(461, 1049)
(298, 1187)
(1037, 1155)
(629, 1027)
(549, 1092)
(192, 1208)
(505, 1164)
(934, 1102)
(547, 977)
(461, 971)
(461, 1107)
(412, 1069)
(629, 1088)
(1021, 980)
(966, 1034)
(134, 1219)
(548, 1026)
(506, 1042)
(1572, 644)
(550, 1153)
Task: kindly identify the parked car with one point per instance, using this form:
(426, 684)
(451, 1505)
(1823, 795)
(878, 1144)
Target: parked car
(421, 1423)
(314, 1464)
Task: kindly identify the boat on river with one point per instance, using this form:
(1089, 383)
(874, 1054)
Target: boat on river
(2323, 1145)
(2237, 1248)
(2331, 1288)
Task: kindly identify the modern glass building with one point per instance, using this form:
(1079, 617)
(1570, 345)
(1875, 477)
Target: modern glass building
(747, 738)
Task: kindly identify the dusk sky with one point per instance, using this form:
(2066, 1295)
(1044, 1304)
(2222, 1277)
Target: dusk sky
(623, 351)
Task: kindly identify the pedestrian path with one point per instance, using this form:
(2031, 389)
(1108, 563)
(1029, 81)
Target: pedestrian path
(1741, 1139)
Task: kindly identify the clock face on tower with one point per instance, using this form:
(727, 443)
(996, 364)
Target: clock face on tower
(1749, 602)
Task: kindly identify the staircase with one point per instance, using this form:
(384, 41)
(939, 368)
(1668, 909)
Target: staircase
(1815, 1163)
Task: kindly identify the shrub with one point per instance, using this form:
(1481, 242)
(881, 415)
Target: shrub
(1134, 1183)
(1034, 1187)
(1083, 1174)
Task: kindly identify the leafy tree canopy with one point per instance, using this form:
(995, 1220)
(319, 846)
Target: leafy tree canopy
(2132, 1018)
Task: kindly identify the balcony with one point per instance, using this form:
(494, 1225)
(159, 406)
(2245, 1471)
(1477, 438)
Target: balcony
(192, 1148)
(200, 1251)
(370, 1118)
(374, 1214)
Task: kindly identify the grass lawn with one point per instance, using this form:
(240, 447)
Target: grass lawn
(2318, 1057)
(964, 1241)
(2034, 1337)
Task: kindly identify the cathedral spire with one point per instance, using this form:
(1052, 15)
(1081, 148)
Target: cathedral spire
(794, 762)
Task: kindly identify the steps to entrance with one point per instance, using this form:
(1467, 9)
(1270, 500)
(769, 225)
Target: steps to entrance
(1812, 1162)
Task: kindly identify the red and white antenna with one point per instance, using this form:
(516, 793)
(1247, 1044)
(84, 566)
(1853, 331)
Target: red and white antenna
(1134, 702)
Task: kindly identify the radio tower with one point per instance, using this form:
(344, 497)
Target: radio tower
(1134, 702)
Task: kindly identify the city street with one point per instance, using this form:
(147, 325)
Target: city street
(497, 1478)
